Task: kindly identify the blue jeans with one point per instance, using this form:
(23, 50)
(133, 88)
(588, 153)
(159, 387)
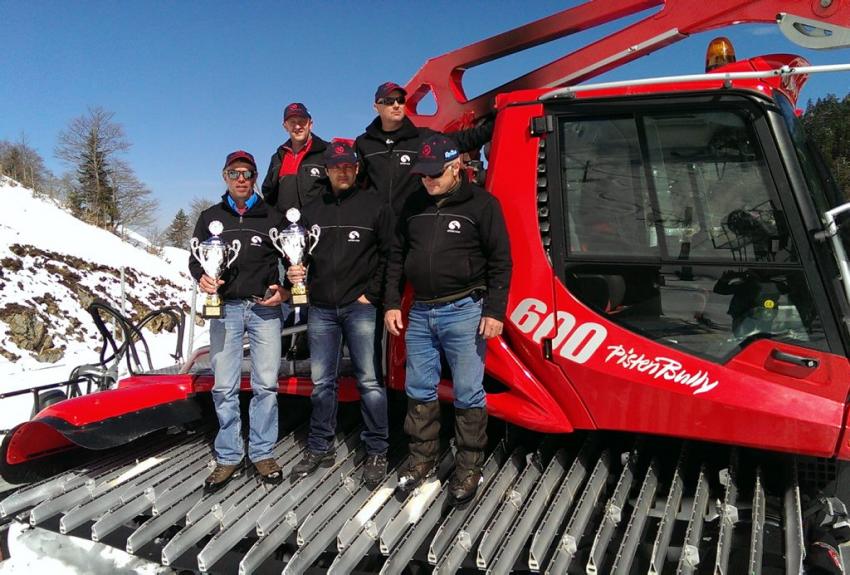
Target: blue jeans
(453, 329)
(262, 324)
(326, 327)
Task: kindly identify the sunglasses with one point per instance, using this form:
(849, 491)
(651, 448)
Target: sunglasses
(434, 177)
(234, 174)
(389, 101)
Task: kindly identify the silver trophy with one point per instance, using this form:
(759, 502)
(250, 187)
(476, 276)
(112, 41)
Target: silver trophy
(292, 243)
(215, 256)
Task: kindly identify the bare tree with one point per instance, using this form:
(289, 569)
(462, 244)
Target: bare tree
(136, 206)
(22, 163)
(197, 206)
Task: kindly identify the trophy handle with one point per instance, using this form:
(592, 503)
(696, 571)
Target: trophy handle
(194, 247)
(235, 246)
(314, 233)
(274, 236)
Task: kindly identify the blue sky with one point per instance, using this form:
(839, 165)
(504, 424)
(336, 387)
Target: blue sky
(191, 81)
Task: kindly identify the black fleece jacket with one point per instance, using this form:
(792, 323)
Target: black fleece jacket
(448, 249)
(387, 157)
(295, 190)
(350, 258)
(255, 268)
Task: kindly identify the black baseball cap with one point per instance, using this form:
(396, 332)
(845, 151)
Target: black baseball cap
(240, 155)
(338, 153)
(295, 109)
(388, 88)
(433, 155)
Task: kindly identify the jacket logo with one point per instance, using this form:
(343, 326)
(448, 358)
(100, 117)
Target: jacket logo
(354, 236)
(405, 160)
(454, 227)
(315, 172)
(256, 240)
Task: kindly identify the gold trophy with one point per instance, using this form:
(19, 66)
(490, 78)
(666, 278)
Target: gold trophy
(292, 243)
(215, 256)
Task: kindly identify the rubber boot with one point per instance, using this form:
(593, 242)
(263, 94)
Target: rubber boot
(471, 440)
(422, 425)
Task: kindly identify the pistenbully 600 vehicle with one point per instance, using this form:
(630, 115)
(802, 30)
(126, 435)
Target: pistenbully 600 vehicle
(671, 390)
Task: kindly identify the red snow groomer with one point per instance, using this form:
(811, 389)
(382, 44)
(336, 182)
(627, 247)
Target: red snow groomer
(671, 390)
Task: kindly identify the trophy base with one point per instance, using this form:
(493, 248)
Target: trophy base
(299, 299)
(212, 312)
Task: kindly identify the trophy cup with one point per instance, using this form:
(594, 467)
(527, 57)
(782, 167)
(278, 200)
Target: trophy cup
(214, 256)
(292, 243)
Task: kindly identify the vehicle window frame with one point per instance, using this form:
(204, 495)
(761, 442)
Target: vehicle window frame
(561, 258)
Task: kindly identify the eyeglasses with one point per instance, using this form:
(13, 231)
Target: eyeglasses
(389, 100)
(434, 177)
(234, 174)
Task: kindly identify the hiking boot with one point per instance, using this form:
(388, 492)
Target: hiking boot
(220, 476)
(269, 471)
(464, 485)
(311, 462)
(414, 472)
(374, 470)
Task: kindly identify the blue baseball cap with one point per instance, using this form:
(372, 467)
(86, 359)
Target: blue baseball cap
(338, 153)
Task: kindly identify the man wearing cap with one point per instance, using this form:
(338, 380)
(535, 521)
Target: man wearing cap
(391, 143)
(345, 284)
(251, 305)
(297, 163)
(452, 245)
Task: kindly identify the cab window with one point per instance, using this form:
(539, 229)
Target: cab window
(673, 228)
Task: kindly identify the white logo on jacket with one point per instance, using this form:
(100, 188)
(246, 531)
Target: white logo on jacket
(315, 172)
(404, 159)
(454, 227)
(354, 236)
(256, 240)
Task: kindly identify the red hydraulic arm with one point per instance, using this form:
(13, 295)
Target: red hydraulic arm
(810, 23)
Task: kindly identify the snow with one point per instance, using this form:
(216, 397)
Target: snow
(48, 260)
(40, 551)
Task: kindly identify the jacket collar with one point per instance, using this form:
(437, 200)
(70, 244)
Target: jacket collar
(407, 130)
(460, 195)
(256, 205)
(318, 145)
(328, 196)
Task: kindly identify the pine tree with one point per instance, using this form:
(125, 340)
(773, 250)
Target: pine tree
(179, 231)
(90, 144)
(827, 123)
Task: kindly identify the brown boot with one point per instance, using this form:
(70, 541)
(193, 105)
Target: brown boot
(269, 471)
(220, 476)
(471, 440)
(422, 425)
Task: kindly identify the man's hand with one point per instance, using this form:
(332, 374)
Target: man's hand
(209, 285)
(296, 273)
(363, 299)
(489, 328)
(275, 296)
(392, 321)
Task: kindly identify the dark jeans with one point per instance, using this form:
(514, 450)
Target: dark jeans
(358, 323)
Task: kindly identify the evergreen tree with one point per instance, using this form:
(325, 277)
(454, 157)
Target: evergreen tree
(179, 231)
(827, 123)
(90, 144)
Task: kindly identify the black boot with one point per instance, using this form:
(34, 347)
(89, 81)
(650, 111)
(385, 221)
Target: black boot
(471, 440)
(422, 425)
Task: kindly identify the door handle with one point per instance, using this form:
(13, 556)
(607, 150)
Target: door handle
(799, 360)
